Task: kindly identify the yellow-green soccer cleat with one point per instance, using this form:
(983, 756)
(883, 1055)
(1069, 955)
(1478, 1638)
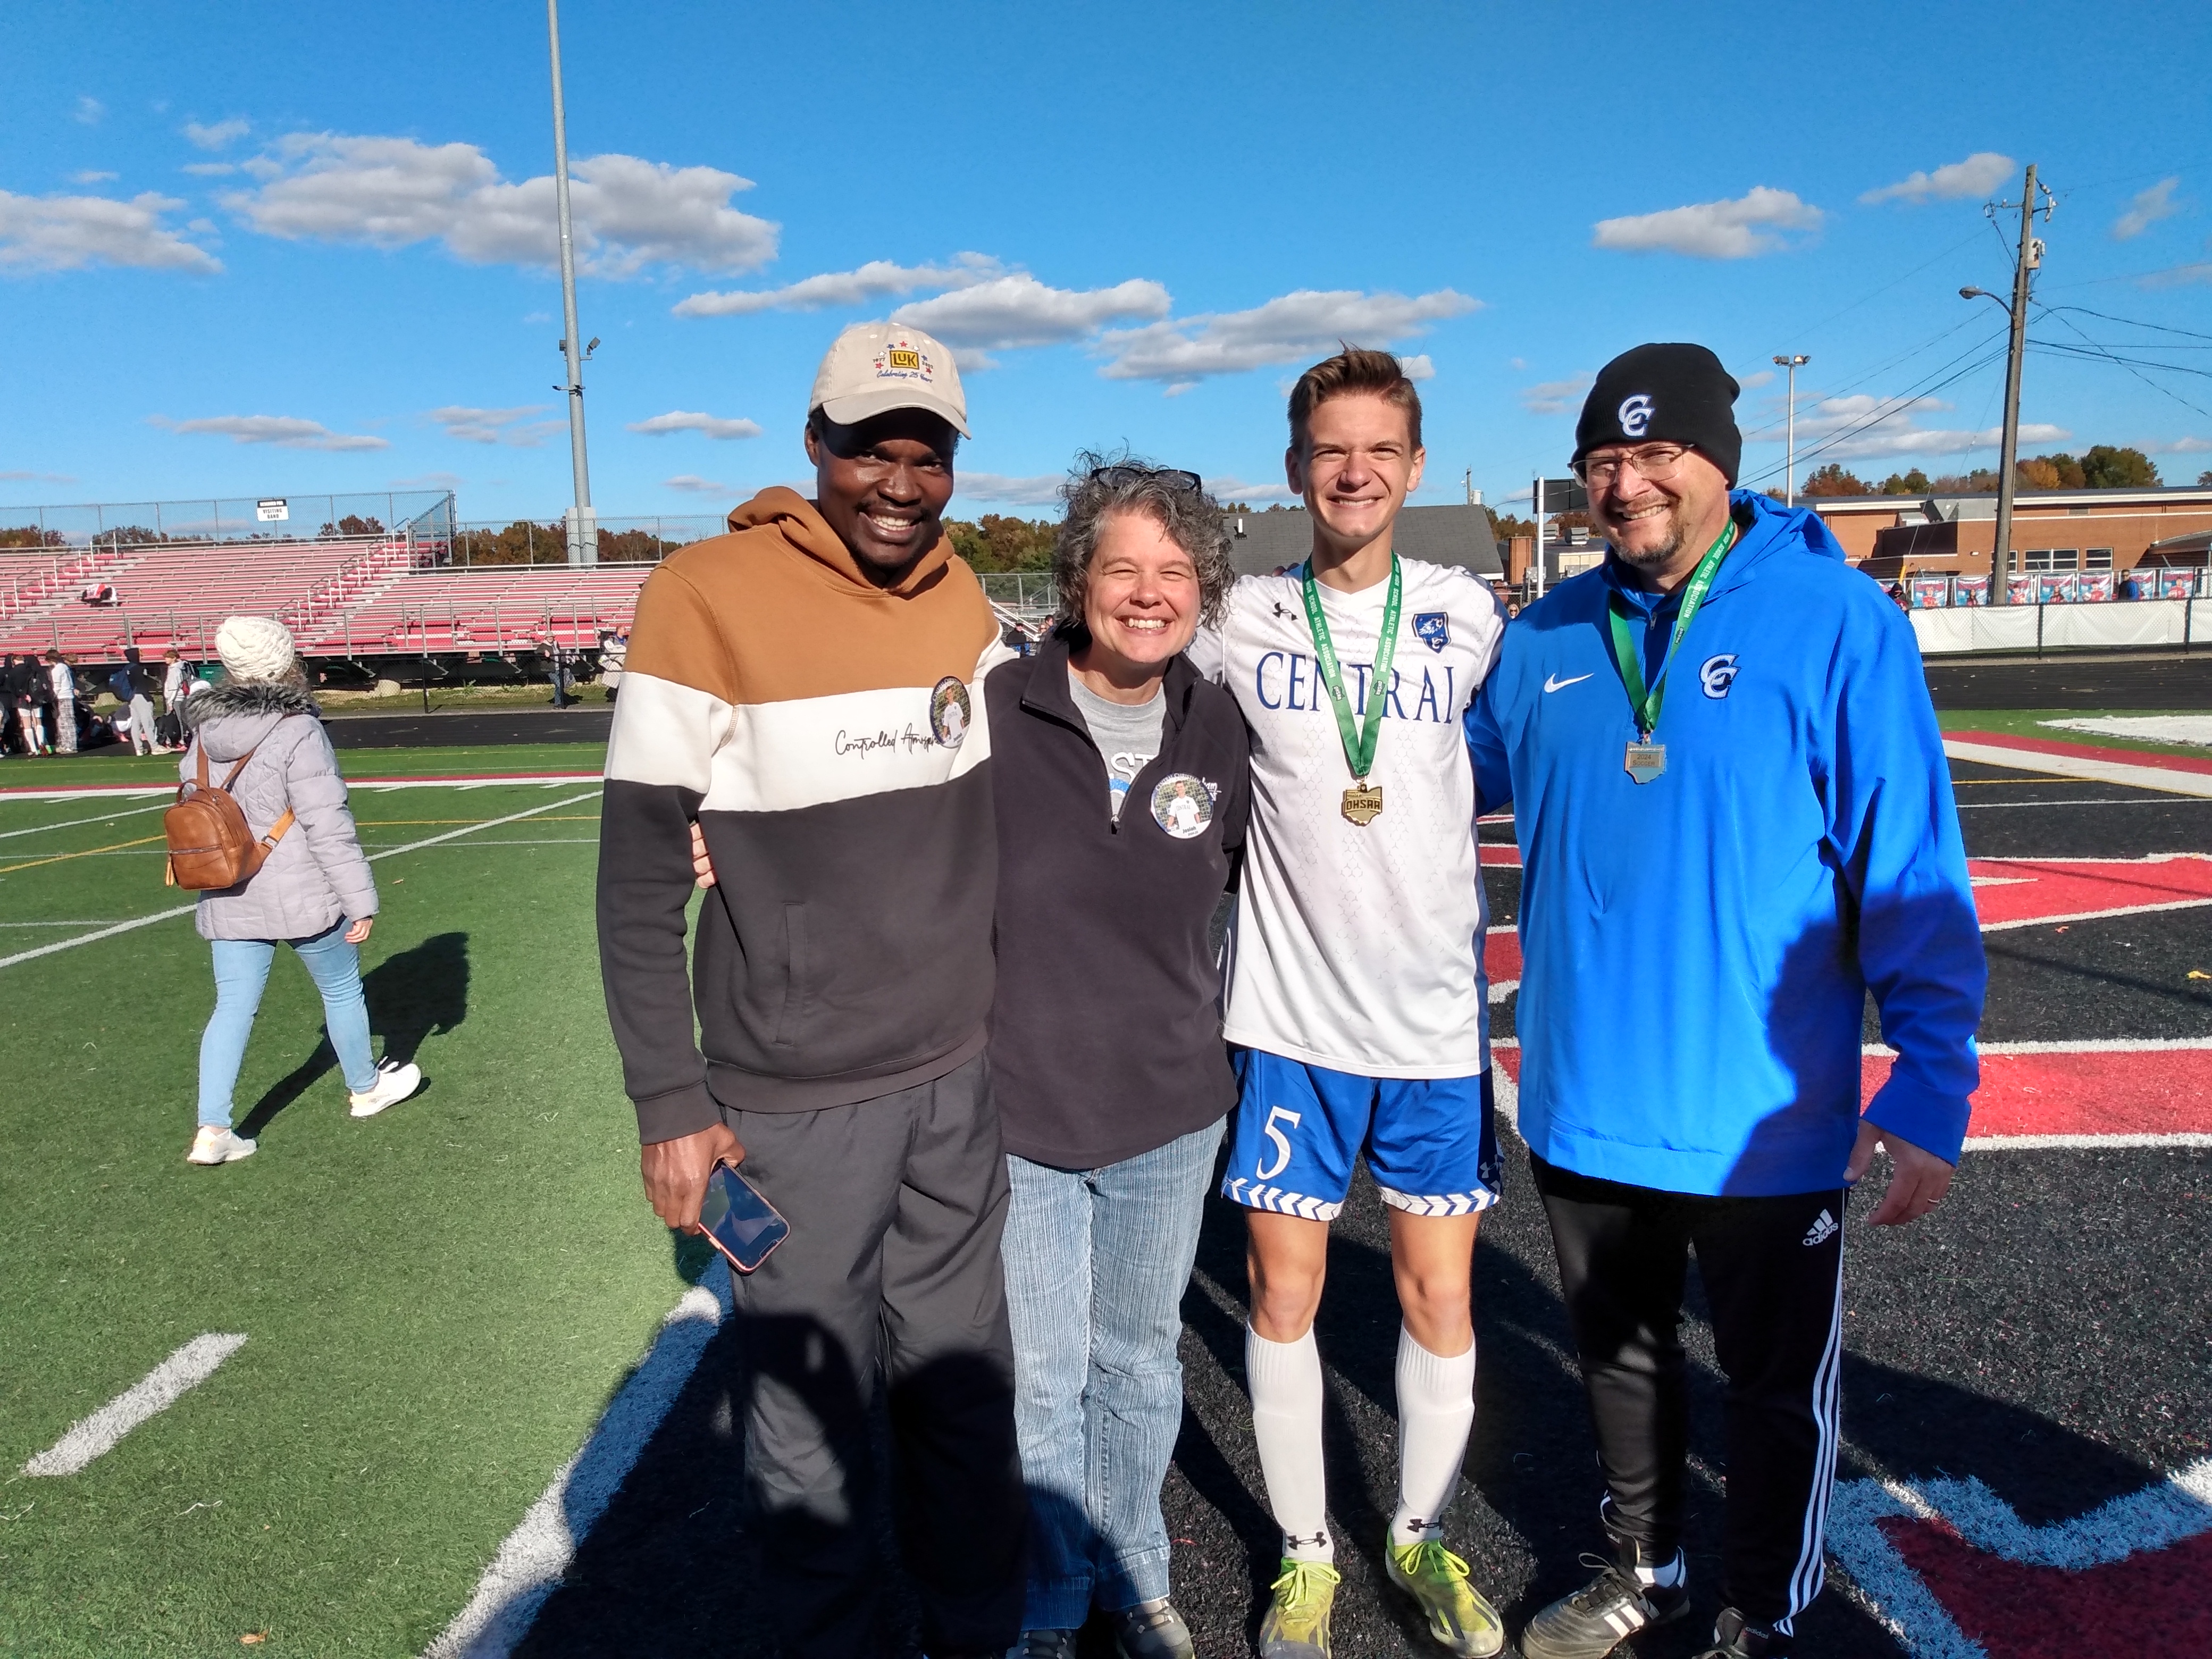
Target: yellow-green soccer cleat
(1296, 1622)
(1459, 1618)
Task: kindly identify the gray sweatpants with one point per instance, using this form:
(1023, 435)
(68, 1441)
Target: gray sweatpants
(141, 726)
(891, 1274)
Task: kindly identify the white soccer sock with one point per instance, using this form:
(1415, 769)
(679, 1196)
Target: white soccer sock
(1284, 1379)
(1436, 1409)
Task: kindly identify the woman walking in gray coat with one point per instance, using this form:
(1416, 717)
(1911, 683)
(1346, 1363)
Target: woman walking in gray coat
(314, 892)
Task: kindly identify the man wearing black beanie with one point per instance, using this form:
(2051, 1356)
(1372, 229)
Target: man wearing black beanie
(1735, 821)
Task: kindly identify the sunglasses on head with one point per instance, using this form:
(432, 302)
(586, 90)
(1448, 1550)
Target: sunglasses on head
(1121, 477)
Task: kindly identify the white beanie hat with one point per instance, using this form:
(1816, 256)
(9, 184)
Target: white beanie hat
(255, 648)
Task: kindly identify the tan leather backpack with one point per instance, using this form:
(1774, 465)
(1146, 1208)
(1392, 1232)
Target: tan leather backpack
(211, 846)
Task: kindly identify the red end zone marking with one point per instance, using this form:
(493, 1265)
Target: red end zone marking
(2022, 892)
(2131, 1092)
(2164, 762)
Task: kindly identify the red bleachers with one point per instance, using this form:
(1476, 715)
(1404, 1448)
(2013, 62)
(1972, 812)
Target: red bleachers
(488, 608)
(179, 593)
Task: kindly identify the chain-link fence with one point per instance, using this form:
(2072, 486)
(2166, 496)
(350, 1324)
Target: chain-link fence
(425, 516)
(622, 541)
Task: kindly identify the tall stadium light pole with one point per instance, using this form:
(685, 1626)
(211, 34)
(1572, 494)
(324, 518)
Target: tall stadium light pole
(583, 538)
(2030, 256)
(1789, 475)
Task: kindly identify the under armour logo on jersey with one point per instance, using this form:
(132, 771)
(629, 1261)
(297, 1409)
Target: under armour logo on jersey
(1635, 414)
(1822, 1231)
(1717, 674)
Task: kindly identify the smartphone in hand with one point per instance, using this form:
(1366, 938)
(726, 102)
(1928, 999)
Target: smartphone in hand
(739, 1222)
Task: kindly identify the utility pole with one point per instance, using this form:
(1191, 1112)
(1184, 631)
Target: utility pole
(2023, 267)
(583, 533)
(1790, 474)
(1536, 497)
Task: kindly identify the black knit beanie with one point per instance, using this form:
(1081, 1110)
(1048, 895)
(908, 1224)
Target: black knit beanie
(1673, 393)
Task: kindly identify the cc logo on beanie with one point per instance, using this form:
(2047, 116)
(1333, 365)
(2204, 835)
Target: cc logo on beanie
(1635, 414)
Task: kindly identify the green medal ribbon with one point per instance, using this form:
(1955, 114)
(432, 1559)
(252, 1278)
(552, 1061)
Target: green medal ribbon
(1358, 744)
(1645, 704)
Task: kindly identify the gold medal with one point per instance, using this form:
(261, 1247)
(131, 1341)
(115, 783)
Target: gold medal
(1363, 802)
(1646, 761)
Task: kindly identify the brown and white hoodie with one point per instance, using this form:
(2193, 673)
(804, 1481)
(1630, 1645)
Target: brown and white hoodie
(830, 736)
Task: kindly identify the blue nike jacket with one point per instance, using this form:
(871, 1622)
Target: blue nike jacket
(1696, 950)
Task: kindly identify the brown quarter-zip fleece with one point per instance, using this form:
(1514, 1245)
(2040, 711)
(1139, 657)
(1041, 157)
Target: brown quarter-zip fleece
(830, 736)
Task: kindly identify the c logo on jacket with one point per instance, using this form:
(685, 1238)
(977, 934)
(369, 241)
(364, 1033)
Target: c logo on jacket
(1717, 674)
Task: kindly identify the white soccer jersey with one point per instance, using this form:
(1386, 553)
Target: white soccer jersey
(1360, 950)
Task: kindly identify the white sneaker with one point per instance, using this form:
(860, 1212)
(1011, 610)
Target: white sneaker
(214, 1144)
(394, 1083)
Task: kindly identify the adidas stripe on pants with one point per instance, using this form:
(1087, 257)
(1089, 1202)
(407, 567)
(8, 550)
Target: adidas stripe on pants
(1772, 1272)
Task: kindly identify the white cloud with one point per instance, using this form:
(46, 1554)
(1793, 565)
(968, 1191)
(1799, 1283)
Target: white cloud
(2178, 275)
(1978, 175)
(1303, 323)
(1763, 377)
(1018, 310)
(1040, 489)
(1893, 431)
(842, 287)
(712, 426)
(496, 426)
(1229, 488)
(210, 169)
(2148, 207)
(89, 111)
(1418, 368)
(1556, 396)
(68, 232)
(218, 135)
(1738, 229)
(694, 484)
(94, 176)
(429, 480)
(286, 431)
(629, 214)
(38, 477)
(2190, 446)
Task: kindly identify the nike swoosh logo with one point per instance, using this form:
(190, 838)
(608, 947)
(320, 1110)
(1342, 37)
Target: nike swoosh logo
(1553, 683)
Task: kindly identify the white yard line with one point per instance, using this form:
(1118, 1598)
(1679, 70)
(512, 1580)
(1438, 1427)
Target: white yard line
(2173, 780)
(159, 1389)
(528, 1567)
(389, 851)
(76, 823)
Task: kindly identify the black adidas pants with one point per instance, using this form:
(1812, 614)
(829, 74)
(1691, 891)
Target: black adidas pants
(1772, 1269)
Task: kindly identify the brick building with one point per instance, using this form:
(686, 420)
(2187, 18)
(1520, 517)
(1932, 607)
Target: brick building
(1894, 537)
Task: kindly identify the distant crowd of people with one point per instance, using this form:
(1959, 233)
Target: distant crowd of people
(50, 704)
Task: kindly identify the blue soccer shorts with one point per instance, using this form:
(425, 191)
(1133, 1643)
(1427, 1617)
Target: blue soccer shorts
(1430, 1143)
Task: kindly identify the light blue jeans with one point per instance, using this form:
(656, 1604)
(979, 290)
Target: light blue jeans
(1097, 1261)
(242, 971)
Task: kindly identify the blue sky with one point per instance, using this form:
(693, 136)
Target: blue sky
(256, 249)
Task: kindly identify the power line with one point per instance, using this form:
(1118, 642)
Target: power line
(2130, 322)
(1896, 406)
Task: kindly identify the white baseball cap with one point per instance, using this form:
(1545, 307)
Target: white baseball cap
(875, 368)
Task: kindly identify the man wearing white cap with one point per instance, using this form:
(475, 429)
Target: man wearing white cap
(807, 690)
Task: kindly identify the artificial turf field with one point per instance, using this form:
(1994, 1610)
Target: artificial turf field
(439, 1303)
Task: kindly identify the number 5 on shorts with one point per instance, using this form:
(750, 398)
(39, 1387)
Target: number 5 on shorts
(1282, 1142)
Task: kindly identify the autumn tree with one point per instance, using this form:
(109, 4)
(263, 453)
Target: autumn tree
(997, 542)
(1914, 482)
(1832, 480)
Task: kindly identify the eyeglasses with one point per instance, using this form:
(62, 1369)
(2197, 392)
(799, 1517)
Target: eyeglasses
(1120, 477)
(1655, 465)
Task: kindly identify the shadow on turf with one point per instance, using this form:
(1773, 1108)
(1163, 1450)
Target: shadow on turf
(418, 992)
(670, 1568)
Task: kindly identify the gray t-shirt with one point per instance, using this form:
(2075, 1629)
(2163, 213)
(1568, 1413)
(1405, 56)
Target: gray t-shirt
(1128, 734)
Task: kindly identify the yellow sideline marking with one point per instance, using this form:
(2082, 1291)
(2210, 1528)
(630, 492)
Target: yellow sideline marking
(64, 858)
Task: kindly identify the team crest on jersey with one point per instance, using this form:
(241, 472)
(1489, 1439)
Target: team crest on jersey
(949, 712)
(1183, 805)
(1433, 629)
(1717, 674)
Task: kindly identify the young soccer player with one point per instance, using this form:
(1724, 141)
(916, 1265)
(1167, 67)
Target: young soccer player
(1355, 1006)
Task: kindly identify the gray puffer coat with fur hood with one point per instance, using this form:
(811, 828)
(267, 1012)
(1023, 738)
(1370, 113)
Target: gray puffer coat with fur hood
(318, 874)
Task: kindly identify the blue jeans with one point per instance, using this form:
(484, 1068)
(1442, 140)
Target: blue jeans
(1097, 1261)
(241, 971)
